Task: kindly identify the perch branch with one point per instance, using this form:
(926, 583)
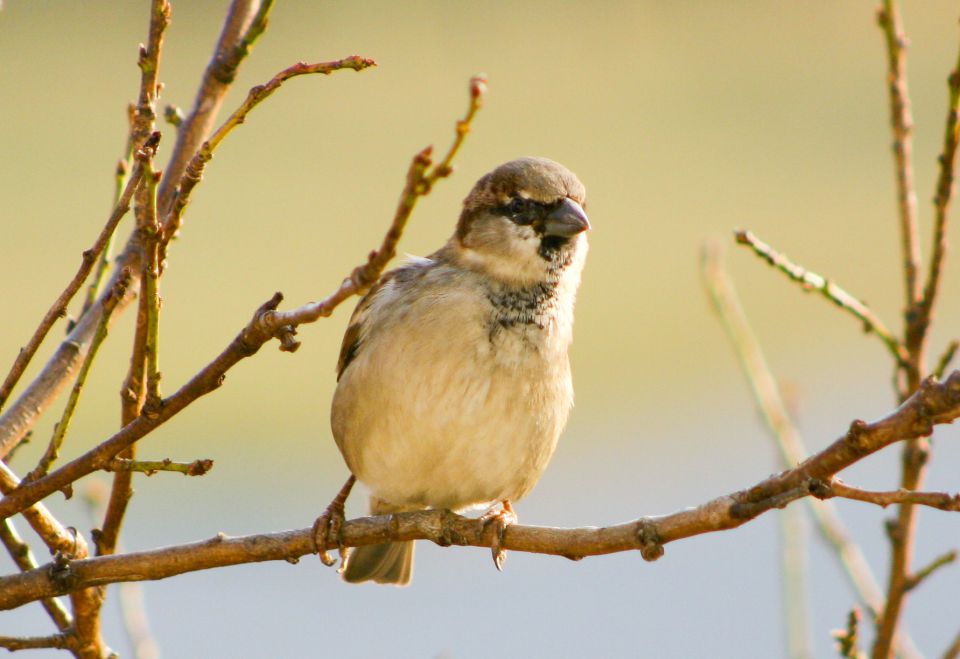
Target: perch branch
(811, 281)
(934, 403)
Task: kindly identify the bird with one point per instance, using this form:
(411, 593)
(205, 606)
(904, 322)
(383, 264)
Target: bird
(453, 381)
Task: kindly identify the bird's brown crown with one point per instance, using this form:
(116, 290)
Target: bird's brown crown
(539, 179)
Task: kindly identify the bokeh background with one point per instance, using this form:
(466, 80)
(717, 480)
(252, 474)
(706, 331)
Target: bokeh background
(684, 119)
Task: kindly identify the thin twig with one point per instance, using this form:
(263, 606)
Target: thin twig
(96, 282)
(901, 120)
(940, 561)
(941, 204)
(811, 281)
(939, 500)
(150, 467)
(20, 553)
(193, 172)
(14, 643)
(946, 358)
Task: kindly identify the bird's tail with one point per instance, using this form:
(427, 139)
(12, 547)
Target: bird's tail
(387, 563)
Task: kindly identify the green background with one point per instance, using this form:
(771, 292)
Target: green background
(684, 120)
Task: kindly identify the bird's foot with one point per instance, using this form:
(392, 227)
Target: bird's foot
(500, 518)
(328, 525)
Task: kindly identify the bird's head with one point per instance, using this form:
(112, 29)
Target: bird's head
(523, 223)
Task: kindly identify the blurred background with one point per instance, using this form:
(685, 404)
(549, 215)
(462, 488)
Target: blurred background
(685, 120)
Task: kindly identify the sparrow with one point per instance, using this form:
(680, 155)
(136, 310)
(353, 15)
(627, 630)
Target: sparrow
(453, 379)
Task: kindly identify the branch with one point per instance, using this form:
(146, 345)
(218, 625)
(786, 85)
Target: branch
(836, 488)
(14, 643)
(811, 281)
(193, 172)
(941, 561)
(888, 17)
(934, 403)
(941, 204)
(96, 282)
(948, 354)
(150, 467)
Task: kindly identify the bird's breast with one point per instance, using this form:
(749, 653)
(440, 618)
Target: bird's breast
(460, 403)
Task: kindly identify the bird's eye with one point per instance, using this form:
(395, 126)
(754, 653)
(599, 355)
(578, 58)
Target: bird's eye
(517, 205)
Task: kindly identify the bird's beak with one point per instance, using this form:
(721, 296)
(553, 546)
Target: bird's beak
(567, 219)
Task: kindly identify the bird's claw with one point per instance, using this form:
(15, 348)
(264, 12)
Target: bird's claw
(328, 525)
(500, 519)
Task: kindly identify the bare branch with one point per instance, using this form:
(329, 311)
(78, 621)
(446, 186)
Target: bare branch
(811, 281)
(933, 404)
(940, 561)
(14, 643)
(150, 467)
(941, 203)
(837, 488)
(901, 120)
(945, 359)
